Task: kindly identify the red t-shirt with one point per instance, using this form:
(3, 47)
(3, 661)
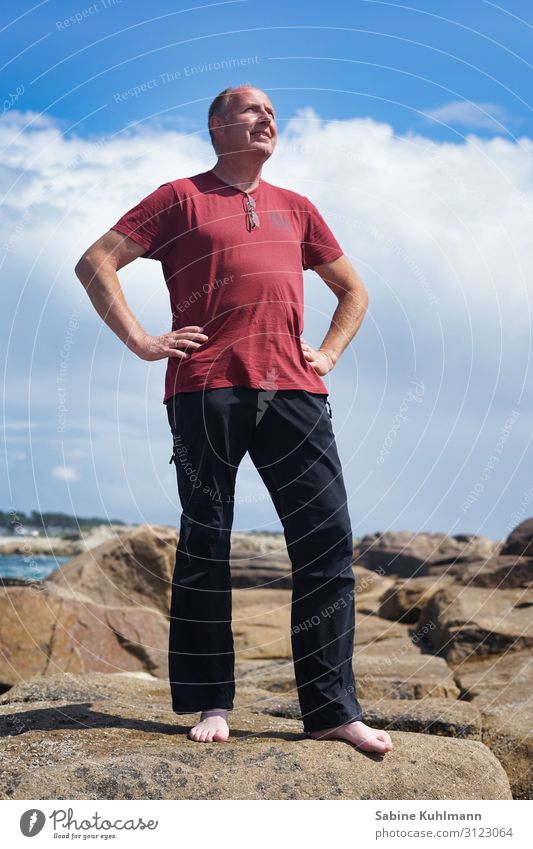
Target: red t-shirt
(244, 287)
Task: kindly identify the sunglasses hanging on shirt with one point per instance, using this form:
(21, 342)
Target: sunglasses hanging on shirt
(252, 218)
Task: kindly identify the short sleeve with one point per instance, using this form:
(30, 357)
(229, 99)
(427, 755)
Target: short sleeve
(319, 245)
(152, 222)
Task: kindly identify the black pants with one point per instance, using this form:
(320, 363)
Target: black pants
(289, 437)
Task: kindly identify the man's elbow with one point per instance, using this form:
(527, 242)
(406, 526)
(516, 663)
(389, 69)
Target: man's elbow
(82, 267)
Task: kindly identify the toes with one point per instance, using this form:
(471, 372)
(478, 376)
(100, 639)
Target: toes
(384, 736)
(220, 734)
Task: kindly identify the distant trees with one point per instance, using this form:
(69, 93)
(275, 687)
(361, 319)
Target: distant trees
(14, 518)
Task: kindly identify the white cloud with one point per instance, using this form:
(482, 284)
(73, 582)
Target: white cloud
(465, 113)
(441, 235)
(65, 473)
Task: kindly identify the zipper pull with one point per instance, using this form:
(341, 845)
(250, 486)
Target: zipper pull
(171, 460)
(329, 408)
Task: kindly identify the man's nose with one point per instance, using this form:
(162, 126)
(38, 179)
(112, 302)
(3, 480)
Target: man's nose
(266, 118)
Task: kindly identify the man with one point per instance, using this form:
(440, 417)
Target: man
(239, 378)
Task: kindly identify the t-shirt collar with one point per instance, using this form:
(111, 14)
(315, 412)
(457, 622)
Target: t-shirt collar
(229, 186)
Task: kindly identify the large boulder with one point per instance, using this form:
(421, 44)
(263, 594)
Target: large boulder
(111, 737)
(465, 621)
(520, 540)
(407, 596)
(134, 570)
(136, 567)
(42, 632)
(501, 572)
(409, 554)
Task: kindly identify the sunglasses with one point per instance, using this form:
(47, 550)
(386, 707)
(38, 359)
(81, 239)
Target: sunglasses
(252, 218)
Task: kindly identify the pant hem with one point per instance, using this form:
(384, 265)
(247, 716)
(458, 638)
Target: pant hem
(201, 708)
(335, 724)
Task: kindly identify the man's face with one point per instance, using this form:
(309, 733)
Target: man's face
(250, 124)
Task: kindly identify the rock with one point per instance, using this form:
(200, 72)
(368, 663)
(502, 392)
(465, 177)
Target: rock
(407, 596)
(373, 629)
(246, 544)
(264, 571)
(501, 688)
(369, 589)
(42, 632)
(137, 570)
(127, 744)
(507, 732)
(424, 716)
(468, 620)
(403, 676)
(67, 545)
(381, 676)
(408, 554)
(138, 567)
(395, 647)
(261, 623)
(369, 582)
(520, 540)
(450, 718)
(496, 680)
(499, 572)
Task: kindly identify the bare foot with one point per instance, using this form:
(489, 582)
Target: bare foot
(212, 727)
(362, 736)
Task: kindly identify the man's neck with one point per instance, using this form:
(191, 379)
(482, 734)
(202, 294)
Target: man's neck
(243, 175)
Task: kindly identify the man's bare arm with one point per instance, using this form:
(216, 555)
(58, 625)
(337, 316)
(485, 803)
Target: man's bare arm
(347, 286)
(97, 271)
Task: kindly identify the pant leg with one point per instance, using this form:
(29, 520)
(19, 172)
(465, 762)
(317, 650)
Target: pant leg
(210, 435)
(294, 451)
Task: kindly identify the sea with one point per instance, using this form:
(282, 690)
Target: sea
(36, 568)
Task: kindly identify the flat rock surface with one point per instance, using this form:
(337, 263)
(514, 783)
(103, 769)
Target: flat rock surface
(94, 743)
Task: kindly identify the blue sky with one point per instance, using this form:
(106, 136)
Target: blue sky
(394, 61)
(409, 127)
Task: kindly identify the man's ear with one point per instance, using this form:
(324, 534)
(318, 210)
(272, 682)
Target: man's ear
(216, 123)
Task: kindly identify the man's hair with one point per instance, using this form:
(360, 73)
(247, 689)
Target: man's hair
(220, 105)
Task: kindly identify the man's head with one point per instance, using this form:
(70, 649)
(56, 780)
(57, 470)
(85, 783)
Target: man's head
(242, 119)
